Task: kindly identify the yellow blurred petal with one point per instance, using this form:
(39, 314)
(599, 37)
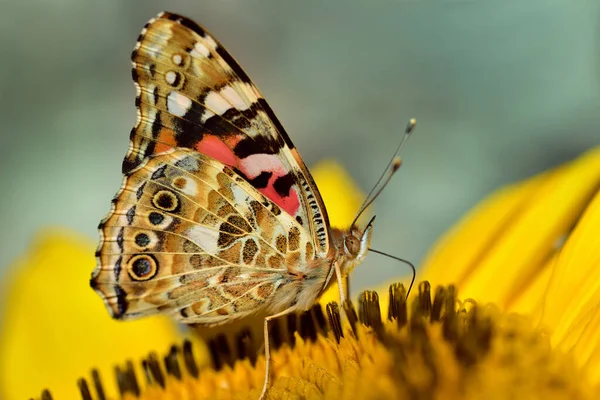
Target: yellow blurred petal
(593, 358)
(502, 247)
(56, 328)
(572, 308)
(458, 253)
(341, 195)
(531, 300)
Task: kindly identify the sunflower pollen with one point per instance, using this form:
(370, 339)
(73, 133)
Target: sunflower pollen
(351, 315)
(397, 304)
(171, 362)
(189, 360)
(246, 348)
(292, 327)
(127, 380)
(84, 390)
(155, 372)
(424, 299)
(308, 328)
(98, 384)
(369, 312)
(220, 352)
(335, 320)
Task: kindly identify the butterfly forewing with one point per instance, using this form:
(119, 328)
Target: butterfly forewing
(190, 237)
(217, 217)
(193, 94)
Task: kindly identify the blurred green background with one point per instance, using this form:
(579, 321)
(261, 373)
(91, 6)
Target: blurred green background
(501, 89)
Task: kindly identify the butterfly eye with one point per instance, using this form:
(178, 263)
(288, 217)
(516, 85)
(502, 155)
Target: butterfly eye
(142, 267)
(165, 200)
(352, 244)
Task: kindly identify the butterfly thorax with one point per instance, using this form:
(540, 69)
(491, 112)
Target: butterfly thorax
(315, 276)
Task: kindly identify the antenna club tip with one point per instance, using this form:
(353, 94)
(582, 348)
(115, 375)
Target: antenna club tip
(396, 163)
(411, 125)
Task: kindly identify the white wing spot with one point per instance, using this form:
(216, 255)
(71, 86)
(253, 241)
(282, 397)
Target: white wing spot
(178, 104)
(200, 50)
(216, 103)
(239, 195)
(206, 115)
(152, 49)
(147, 69)
(170, 77)
(214, 280)
(138, 89)
(211, 42)
(138, 117)
(177, 59)
(204, 237)
(151, 116)
(254, 164)
(234, 98)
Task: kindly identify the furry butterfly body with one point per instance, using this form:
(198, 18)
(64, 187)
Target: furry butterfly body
(217, 217)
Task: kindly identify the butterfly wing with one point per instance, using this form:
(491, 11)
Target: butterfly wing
(191, 93)
(188, 236)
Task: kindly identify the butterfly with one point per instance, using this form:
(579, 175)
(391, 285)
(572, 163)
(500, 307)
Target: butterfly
(218, 217)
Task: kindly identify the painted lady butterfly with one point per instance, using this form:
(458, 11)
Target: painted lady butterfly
(217, 217)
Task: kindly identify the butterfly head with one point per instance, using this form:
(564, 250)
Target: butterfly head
(355, 244)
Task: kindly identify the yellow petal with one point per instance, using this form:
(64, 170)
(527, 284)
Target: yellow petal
(572, 307)
(503, 245)
(531, 300)
(55, 328)
(458, 253)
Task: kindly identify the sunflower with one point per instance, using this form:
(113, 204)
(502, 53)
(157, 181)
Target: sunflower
(526, 255)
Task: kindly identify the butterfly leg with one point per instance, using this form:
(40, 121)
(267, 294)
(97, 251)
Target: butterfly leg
(340, 281)
(347, 286)
(268, 350)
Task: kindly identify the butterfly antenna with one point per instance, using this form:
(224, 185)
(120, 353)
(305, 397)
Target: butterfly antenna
(402, 260)
(388, 172)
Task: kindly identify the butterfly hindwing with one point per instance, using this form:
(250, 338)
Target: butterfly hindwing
(189, 237)
(191, 93)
